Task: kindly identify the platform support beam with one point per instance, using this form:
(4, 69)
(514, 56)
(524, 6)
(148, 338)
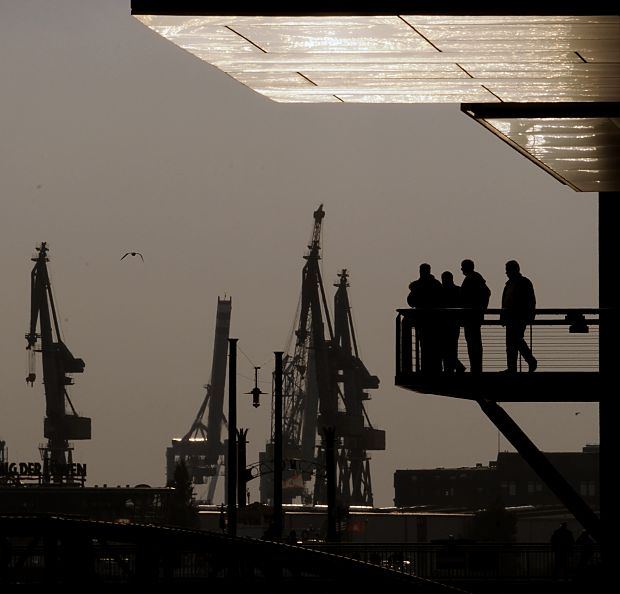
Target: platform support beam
(609, 337)
(541, 465)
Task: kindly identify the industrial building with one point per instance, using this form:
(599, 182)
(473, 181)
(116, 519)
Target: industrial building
(508, 478)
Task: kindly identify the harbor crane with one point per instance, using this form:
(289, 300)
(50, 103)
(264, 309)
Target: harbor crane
(62, 423)
(323, 385)
(201, 448)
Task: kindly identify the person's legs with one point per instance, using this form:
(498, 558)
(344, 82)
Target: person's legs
(512, 345)
(449, 346)
(516, 344)
(431, 350)
(458, 366)
(473, 338)
(426, 348)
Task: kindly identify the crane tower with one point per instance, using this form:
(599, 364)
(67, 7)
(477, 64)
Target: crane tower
(61, 423)
(324, 384)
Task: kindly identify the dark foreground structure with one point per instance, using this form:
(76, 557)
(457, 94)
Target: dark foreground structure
(110, 557)
(79, 555)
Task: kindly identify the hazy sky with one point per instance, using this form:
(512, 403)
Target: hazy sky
(113, 139)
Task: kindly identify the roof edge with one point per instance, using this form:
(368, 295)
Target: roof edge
(366, 8)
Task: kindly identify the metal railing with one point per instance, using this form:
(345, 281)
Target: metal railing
(442, 562)
(479, 561)
(562, 340)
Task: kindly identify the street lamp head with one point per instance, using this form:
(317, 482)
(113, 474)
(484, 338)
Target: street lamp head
(255, 391)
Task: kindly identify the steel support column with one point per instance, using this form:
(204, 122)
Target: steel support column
(277, 448)
(609, 339)
(242, 435)
(231, 470)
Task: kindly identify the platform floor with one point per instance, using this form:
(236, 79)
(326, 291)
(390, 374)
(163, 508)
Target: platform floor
(505, 387)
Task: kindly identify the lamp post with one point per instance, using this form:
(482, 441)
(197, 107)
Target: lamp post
(329, 435)
(231, 470)
(277, 447)
(241, 464)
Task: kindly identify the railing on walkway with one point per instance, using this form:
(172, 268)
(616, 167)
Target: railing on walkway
(73, 553)
(562, 340)
(456, 561)
(442, 562)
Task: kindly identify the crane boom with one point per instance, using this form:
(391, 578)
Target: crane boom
(201, 447)
(218, 379)
(306, 383)
(358, 435)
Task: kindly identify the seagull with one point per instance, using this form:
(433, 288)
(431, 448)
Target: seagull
(577, 413)
(133, 254)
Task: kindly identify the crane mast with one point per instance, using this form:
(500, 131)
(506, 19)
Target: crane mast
(358, 434)
(306, 371)
(60, 424)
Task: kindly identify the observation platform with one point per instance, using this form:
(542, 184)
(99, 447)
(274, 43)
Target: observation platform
(564, 341)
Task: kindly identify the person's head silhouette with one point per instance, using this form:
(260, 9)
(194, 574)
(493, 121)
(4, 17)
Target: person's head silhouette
(447, 279)
(425, 270)
(512, 268)
(467, 266)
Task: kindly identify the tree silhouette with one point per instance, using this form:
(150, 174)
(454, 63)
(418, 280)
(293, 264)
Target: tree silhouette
(182, 508)
(495, 524)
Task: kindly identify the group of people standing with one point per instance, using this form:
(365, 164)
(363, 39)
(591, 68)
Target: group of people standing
(445, 307)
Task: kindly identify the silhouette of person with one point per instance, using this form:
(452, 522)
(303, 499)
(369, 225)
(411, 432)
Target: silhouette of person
(425, 296)
(562, 542)
(518, 310)
(475, 299)
(450, 323)
(586, 546)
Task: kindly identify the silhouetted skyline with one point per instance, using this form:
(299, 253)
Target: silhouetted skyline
(114, 140)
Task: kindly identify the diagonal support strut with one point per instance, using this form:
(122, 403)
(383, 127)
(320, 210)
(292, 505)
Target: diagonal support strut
(542, 467)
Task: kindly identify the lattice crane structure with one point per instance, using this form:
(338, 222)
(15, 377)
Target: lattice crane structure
(324, 385)
(61, 423)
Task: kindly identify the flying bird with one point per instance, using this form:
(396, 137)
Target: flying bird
(133, 254)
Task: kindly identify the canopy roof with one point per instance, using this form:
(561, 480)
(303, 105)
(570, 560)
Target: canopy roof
(426, 52)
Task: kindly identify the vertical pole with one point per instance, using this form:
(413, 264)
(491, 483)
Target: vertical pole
(399, 365)
(241, 464)
(329, 434)
(609, 211)
(231, 470)
(277, 448)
